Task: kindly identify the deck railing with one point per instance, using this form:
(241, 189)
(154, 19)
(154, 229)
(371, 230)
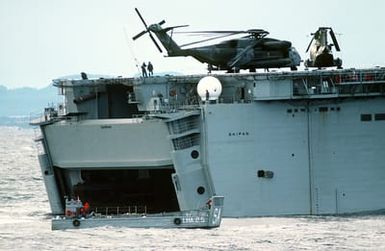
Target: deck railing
(340, 82)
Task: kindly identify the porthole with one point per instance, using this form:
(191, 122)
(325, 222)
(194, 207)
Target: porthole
(194, 154)
(201, 190)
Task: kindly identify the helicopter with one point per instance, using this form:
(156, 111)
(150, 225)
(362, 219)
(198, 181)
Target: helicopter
(320, 51)
(251, 51)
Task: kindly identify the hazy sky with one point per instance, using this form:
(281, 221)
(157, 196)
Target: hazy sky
(45, 39)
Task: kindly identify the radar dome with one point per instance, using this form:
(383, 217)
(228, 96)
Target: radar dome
(209, 88)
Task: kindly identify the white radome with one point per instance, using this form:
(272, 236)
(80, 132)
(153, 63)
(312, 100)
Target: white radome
(211, 85)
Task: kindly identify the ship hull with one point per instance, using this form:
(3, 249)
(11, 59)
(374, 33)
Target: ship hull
(323, 158)
(304, 143)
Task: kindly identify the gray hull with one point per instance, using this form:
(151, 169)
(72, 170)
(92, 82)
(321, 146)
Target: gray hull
(271, 144)
(323, 162)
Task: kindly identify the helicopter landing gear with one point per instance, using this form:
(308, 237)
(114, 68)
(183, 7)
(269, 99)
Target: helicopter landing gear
(293, 68)
(252, 70)
(338, 63)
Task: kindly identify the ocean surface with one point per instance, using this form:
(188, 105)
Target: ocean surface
(25, 221)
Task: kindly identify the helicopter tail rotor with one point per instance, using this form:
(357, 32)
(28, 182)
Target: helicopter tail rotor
(147, 30)
(139, 35)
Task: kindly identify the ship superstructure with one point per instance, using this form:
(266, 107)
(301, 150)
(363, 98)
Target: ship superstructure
(280, 143)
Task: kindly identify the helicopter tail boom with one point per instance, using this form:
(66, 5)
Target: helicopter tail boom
(161, 33)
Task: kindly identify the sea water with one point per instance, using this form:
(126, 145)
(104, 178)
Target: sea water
(25, 222)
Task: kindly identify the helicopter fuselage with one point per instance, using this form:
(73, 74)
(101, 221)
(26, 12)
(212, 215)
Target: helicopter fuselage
(248, 52)
(321, 51)
(243, 53)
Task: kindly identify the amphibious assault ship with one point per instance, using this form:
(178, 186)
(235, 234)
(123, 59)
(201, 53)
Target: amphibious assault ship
(278, 143)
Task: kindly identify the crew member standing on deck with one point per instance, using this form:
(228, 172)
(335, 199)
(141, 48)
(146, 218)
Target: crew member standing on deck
(144, 71)
(150, 69)
(86, 208)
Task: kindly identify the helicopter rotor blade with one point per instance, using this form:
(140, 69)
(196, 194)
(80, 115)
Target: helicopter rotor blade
(228, 31)
(311, 41)
(206, 40)
(174, 27)
(331, 32)
(240, 55)
(211, 32)
(139, 35)
(260, 32)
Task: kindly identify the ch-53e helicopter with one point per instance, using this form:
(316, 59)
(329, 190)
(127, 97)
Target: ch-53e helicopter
(250, 52)
(320, 51)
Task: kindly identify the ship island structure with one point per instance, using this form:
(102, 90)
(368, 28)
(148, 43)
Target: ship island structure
(183, 151)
